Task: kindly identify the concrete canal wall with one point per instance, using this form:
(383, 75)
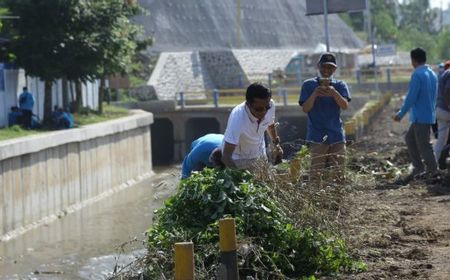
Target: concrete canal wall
(48, 175)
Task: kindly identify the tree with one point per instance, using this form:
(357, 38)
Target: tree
(80, 40)
(418, 15)
(38, 40)
(116, 38)
(443, 40)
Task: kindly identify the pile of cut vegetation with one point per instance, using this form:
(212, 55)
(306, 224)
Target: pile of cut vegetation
(271, 246)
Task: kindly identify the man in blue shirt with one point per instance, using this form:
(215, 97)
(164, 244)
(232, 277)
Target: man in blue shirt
(26, 103)
(322, 98)
(14, 116)
(442, 146)
(420, 102)
(205, 152)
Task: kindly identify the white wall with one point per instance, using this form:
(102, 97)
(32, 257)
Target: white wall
(15, 80)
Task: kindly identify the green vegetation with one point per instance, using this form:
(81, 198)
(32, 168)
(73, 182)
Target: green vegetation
(84, 117)
(15, 132)
(87, 116)
(272, 245)
(89, 40)
(409, 24)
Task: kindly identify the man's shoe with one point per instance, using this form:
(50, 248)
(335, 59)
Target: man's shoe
(403, 181)
(429, 176)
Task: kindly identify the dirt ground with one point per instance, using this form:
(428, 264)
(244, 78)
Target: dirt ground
(401, 232)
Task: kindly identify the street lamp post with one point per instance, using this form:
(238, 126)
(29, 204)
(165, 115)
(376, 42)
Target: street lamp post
(325, 17)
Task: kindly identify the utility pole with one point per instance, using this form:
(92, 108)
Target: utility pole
(238, 24)
(325, 17)
(442, 16)
(371, 40)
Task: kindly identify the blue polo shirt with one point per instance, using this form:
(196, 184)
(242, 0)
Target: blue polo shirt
(324, 119)
(421, 96)
(200, 151)
(26, 101)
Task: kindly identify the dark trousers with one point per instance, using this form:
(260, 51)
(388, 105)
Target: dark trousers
(419, 147)
(26, 118)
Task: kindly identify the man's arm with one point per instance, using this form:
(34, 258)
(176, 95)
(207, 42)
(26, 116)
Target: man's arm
(272, 131)
(309, 103)
(410, 99)
(187, 167)
(227, 152)
(340, 100)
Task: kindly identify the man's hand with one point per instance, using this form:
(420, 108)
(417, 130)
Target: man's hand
(277, 154)
(323, 91)
(396, 118)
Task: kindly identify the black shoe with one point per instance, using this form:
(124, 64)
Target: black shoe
(403, 181)
(430, 177)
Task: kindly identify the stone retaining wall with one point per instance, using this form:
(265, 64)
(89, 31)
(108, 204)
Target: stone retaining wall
(47, 175)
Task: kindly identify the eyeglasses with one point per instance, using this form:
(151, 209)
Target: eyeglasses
(262, 109)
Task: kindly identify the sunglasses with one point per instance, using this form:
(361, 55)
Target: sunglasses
(262, 109)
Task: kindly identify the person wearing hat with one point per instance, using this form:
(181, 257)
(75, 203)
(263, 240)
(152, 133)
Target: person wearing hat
(420, 102)
(323, 98)
(205, 152)
(442, 147)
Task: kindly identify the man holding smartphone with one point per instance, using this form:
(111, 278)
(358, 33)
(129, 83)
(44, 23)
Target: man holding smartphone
(322, 98)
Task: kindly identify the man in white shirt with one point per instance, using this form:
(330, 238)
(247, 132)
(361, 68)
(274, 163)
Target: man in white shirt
(244, 136)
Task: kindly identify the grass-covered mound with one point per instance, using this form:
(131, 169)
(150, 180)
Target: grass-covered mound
(270, 247)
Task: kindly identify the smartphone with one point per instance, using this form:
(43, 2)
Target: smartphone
(324, 82)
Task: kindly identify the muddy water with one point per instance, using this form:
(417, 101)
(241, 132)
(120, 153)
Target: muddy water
(84, 244)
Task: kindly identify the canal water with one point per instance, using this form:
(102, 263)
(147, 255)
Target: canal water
(86, 244)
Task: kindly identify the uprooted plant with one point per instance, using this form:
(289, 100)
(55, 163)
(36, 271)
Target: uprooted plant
(272, 245)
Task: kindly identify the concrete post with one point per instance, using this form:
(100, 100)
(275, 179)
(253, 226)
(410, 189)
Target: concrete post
(182, 101)
(388, 75)
(285, 100)
(184, 261)
(269, 80)
(228, 250)
(358, 76)
(216, 97)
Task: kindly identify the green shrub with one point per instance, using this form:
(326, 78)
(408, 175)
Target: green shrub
(270, 246)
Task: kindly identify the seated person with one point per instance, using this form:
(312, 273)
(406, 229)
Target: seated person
(14, 117)
(61, 119)
(66, 120)
(205, 152)
(35, 122)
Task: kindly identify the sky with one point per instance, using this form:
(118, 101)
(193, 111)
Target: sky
(437, 3)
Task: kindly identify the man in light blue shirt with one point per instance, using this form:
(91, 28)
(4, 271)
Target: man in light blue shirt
(26, 103)
(420, 102)
(205, 152)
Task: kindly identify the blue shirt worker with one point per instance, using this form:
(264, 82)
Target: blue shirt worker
(323, 98)
(420, 102)
(14, 116)
(62, 119)
(205, 152)
(442, 147)
(26, 103)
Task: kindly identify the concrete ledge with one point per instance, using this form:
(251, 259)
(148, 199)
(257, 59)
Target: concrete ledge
(44, 175)
(35, 143)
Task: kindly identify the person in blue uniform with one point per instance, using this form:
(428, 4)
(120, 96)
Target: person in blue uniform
(205, 152)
